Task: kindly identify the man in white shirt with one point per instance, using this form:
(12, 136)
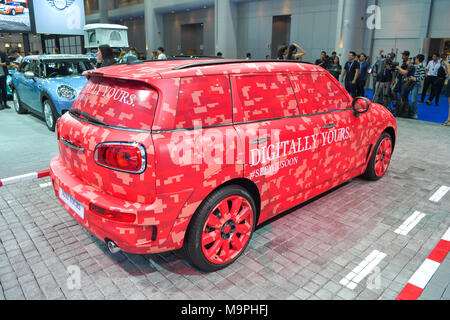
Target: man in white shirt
(18, 58)
(161, 54)
(431, 77)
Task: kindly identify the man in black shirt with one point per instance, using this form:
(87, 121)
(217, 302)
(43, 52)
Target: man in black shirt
(400, 77)
(323, 61)
(350, 74)
(3, 73)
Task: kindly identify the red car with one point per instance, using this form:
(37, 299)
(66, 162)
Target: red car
(11, 8)
(194, 154)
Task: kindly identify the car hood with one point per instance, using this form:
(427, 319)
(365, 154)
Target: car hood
(76, 83)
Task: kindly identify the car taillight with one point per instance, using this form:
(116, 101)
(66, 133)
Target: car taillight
(112, 215)
(121, 156)
(58, 136)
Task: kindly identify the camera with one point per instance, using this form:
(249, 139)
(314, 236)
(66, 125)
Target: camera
(392, 64)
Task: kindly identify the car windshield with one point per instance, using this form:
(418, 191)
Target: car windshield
(66, 68)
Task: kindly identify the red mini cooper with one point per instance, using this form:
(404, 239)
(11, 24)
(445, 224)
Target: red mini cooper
(186, 154)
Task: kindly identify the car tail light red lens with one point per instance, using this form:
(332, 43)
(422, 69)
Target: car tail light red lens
(121, 156)
(57, 129)
(112, 215)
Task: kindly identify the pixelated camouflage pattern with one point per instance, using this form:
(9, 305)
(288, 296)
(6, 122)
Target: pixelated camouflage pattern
(176, 180)
(204, 101)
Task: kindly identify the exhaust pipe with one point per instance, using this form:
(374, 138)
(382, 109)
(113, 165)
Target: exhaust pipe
(112, 247)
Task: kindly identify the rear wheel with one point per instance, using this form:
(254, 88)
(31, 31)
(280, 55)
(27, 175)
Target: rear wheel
(13, 12)
(49, 114)
(380, 158)
(221, 229)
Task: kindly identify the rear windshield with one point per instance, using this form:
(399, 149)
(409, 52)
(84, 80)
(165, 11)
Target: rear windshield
(121, 103)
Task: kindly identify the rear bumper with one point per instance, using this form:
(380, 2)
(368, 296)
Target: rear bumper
(138, 237)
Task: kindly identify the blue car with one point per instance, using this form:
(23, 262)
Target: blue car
(49, 84)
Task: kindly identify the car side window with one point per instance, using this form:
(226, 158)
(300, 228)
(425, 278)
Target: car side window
(317, 92)
(204, 101)
(38, 69)
(25, 66)
(263, 97)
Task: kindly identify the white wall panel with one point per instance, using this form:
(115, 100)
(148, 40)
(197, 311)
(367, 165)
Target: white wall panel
(440, 19)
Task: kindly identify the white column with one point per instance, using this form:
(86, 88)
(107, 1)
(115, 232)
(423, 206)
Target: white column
(154, 28)
(351, 28)
(225, 14)
(103, 6)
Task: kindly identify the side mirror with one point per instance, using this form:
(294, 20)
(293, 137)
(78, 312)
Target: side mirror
(29, 75)
(360, 105)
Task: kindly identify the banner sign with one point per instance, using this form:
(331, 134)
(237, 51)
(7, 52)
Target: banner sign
(59, 16)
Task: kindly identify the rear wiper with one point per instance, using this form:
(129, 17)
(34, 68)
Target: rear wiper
(86, 115)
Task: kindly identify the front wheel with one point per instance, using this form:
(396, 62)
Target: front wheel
(17, 104)
(221, 229)
(380, 158)
(49, 114)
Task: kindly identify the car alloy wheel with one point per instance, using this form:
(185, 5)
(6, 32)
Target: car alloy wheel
(13, 12)
(221, 228)
(49, 115)
(16, 102)
(383, 156)
(380, 157)
(227, 229)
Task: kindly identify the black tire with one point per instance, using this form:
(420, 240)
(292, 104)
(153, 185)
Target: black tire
(13, 12)
(192, 243)
(371, 172)
(50, 117)
(17, 104)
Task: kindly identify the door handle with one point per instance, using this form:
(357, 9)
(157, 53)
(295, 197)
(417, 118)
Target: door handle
(329, 126)
(259, 140)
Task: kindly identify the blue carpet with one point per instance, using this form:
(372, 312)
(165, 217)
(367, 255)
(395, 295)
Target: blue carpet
(430, 113)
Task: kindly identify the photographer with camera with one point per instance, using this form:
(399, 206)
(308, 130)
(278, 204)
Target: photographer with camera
(413, 78)
(385, 74)
(400, 79)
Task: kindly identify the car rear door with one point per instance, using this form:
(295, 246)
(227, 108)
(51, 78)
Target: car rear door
(279, 145)
(108, 116)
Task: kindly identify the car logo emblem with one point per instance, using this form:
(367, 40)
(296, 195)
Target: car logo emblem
(60, 4)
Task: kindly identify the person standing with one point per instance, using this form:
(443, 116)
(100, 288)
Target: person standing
(447, 88)
(384, 78)
(3, 73)
(407, 85)
(419, 75)
(17, 58)
(400, 75)
(248, 56)
(161, 54)
(292, 52)
(282, 52)
(350, 74)
(131, 53)
(331, 58)
(105, 56)
(431, 78)
(323, 60)
(363, 75)
(335, 68)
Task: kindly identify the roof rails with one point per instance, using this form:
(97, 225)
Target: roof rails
(211, 63)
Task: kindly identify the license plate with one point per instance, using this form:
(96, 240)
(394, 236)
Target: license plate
(73, 204)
